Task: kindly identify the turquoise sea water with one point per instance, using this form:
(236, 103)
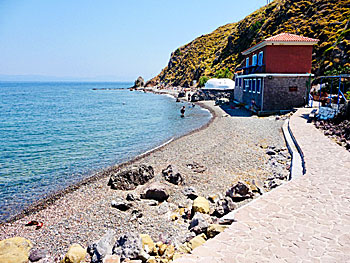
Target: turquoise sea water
(54, 134)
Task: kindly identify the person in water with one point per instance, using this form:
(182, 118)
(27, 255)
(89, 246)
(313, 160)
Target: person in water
(182, 111)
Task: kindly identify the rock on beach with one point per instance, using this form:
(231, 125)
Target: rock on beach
(130, 178)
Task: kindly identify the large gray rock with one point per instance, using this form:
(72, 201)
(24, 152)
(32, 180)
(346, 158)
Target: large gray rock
(199, 223)
(99, 250)
(130, 178)
(156, 191)
(129, 245)
(172, 175)
(223, 207)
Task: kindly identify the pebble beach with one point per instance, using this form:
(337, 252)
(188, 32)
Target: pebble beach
(231, 148)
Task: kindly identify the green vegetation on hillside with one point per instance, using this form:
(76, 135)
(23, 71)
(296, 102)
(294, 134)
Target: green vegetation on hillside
(326, 20)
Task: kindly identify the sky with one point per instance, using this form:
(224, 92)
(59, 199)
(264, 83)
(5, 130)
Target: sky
(110, 40)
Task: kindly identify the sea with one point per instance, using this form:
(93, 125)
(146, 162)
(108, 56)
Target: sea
(54, 134)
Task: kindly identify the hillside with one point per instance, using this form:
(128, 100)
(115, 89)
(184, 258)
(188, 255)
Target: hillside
(327, 20)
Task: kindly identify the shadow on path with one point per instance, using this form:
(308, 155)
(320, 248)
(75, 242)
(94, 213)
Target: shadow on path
(235, 112)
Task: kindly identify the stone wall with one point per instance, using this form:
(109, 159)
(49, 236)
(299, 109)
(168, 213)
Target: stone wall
(211, 94)
(284, 93)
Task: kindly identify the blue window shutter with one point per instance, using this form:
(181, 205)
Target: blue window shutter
(255, 60)
(247, 62)
(261, 56)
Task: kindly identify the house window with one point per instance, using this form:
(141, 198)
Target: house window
(247, 62)
(250, 86)
(240, 82)
(255, 60)
(260, 58)
(253, 86)
(258, 86)
(246, 85)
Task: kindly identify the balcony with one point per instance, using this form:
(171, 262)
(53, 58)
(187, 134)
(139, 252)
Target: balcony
(253, 69)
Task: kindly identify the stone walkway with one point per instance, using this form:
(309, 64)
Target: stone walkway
(304, 220)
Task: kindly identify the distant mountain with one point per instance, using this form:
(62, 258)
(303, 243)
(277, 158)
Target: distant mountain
(327, 20)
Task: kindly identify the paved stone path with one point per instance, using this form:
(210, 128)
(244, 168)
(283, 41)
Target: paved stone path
(304, 220)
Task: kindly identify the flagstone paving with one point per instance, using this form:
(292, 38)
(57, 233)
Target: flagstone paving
(304, 220)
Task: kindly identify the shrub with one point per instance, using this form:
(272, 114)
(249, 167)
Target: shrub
(202, 81)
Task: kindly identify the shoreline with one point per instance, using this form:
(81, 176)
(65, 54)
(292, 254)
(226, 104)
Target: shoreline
(228, 148)
(50, 199)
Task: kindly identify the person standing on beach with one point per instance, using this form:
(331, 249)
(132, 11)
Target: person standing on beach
(182, 111)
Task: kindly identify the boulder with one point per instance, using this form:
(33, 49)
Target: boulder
(197, 241)
(37, 254)
(100, 249)
(227, 219)
(15, 250)
(161, 249)
(121, 205)
(270, 184)
(188, 237)
(147, 243)
(200, 204)
(128, 245)
(172, 175)
(190, 192)
(215, 229)
(224, 206)
(111, 259)
(130, 178)
(198, 224)
(156, 191)
(131, 197)
(239, 191)
(169, 252)
(214, 197)
(75, 254)
(270, 152)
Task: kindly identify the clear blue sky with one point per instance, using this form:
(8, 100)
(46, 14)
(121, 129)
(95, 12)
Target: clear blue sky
(105, 39)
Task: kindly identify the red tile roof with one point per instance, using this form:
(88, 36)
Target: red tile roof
(283, 37)
(286, 37)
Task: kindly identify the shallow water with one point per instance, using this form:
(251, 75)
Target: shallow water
(55, 134)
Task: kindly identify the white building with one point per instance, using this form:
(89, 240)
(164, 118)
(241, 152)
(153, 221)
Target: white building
(219, 84)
